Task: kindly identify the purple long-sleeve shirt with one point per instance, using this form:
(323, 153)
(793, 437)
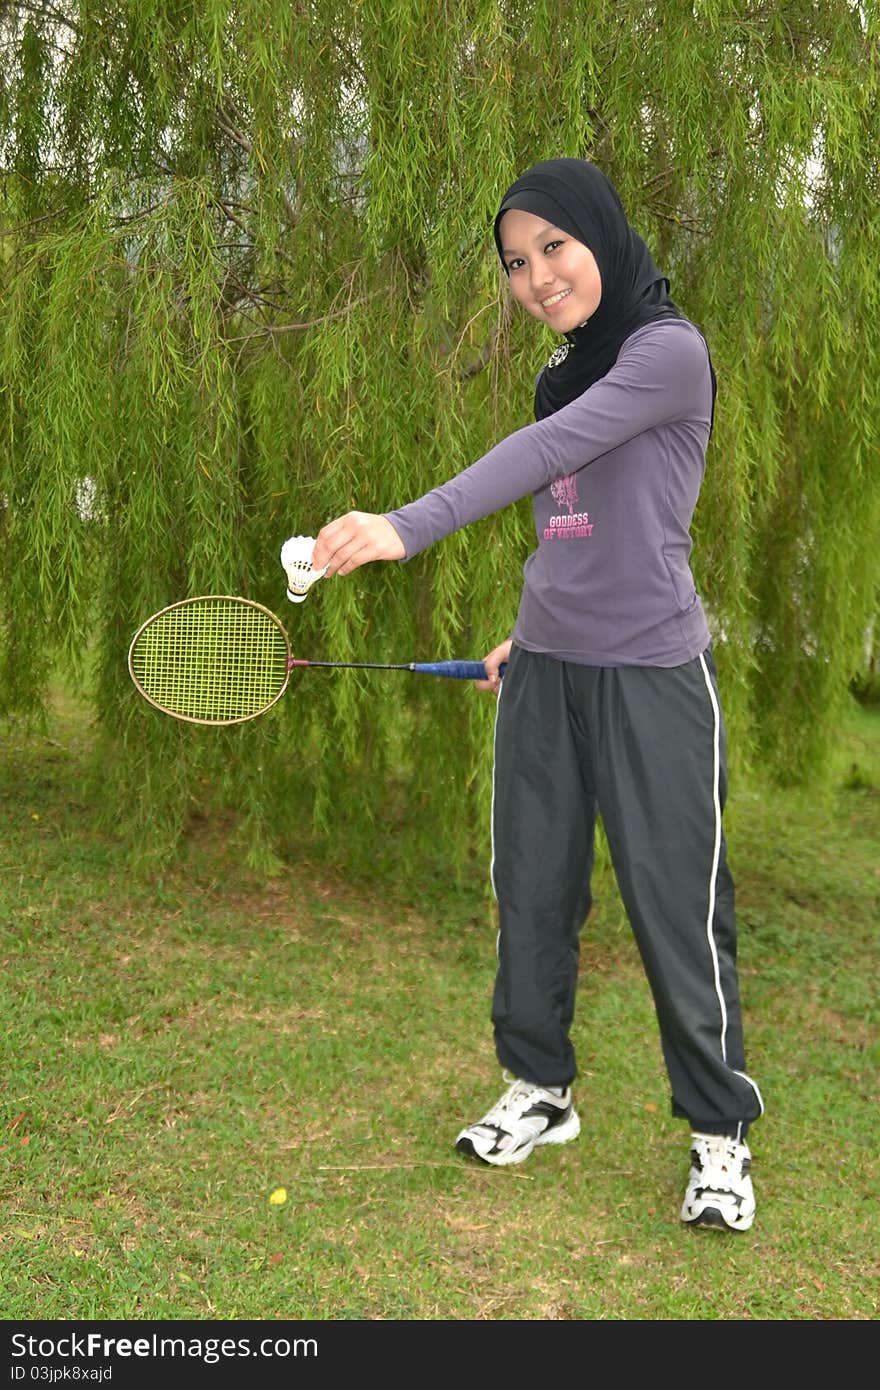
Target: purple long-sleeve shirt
(615, 476)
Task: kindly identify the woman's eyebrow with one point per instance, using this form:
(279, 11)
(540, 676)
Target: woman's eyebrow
(506, 251)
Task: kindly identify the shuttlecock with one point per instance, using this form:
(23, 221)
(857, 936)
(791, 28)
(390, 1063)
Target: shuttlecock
(296, 557)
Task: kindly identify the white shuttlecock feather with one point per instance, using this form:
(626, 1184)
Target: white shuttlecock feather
(296, 558)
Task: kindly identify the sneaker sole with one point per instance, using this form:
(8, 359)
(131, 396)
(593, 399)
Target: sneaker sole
(559, 1134)
(714, 1220)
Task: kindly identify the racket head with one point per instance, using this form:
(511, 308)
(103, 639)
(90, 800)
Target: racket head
(214, 659)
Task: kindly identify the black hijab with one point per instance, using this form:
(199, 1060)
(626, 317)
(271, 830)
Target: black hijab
(578, 198)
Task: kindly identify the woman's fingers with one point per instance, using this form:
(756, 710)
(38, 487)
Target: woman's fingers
(493, 662)
(333, 543)
(353, 540)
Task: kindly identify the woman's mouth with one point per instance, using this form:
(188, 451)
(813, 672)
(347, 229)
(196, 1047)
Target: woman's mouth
(555, 299)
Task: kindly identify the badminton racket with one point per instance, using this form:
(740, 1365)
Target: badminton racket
(218, 659)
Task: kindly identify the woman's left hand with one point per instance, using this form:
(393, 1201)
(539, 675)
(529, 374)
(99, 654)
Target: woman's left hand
(355, 539)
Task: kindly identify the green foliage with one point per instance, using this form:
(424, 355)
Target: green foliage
(248, 282)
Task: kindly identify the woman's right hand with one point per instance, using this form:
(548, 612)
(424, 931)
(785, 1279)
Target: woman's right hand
(352, 540)
(497, 657)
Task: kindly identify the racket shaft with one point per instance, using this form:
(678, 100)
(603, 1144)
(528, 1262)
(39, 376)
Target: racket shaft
(455, 670)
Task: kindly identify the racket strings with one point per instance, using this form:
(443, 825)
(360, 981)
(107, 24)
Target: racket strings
(211, 660)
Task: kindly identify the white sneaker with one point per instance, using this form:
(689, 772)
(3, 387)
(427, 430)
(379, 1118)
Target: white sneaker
(719, 1191)
(525, 1115)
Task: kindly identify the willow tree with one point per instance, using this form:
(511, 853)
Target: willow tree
(248, 282)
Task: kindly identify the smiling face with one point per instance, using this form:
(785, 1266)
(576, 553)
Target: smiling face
(553, 275)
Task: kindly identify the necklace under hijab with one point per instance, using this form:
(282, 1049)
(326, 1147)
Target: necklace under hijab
(577, 197)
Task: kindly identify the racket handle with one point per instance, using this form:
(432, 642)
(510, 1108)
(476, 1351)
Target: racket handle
(457, 670)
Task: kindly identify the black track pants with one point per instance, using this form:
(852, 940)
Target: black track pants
(644, 747)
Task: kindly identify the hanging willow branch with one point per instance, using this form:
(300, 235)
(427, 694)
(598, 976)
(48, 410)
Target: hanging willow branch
(248, 281)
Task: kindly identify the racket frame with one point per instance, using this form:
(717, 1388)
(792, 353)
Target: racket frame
(216, 598)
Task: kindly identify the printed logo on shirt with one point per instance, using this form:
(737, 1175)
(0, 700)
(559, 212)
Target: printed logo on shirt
(567, 528)
(572, 525)
(565, 492)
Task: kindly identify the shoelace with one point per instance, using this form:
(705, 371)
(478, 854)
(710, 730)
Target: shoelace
(719, 1160)
(517, 1095)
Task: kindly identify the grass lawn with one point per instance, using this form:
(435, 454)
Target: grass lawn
(175, 1051)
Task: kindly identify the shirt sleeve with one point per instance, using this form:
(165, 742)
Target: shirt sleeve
(661, 375)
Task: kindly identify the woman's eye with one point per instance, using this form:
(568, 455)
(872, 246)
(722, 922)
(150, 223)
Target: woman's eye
(516, 261)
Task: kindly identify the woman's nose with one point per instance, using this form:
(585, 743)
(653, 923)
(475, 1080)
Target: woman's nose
(541, 274)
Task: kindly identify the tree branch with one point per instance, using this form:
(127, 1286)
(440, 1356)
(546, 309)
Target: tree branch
(35, 221)
(49, 12)
(230, 128)
(272, 329)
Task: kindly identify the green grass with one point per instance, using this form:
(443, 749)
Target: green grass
(176, 1050)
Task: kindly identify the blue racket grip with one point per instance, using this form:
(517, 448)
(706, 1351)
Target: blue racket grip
(458, 670)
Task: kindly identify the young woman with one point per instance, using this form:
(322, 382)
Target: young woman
(609, 704)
